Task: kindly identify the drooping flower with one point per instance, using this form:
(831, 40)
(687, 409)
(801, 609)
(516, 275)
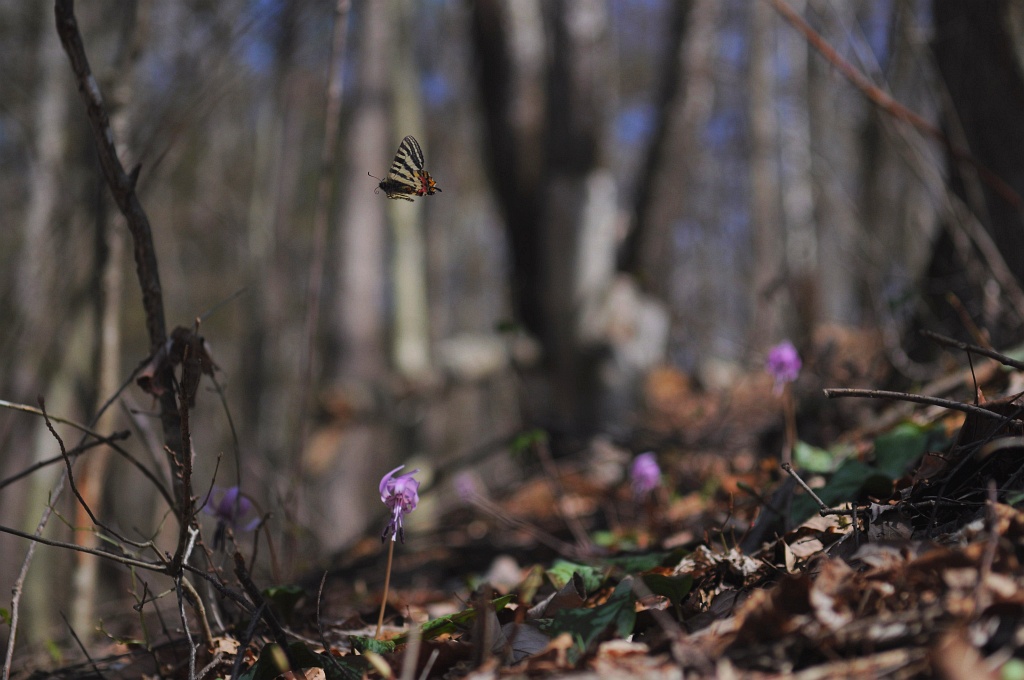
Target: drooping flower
(645, 474)
(231, 510)
(401, 495)
(783, 364)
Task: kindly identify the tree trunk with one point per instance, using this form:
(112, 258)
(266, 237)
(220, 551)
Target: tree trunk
(974, 50)
(345, 461)
(38, 283)
(767, 232)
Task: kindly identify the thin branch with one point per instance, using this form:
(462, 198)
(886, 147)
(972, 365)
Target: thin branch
(122, 188)
(235, 447)
(109, 440)
(184, 624)
(121, 185)
(975, 349)
(834, 393)
(197, 603)
(889, 104)
(71, 480)
(250, 632)
(208, 668)
(179, 580)
(183, 474)
(112, 398)
(543, 451)
(319, 620)
(127, 561)
(73, 453)
(81, 647)
(213, 580)
(25, 408)
(259, 601)
(788, 467)
(19, 583)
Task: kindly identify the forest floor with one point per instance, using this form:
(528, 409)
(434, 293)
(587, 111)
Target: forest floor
(728, 569)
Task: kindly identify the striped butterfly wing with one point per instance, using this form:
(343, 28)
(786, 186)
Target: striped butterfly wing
(406, 177)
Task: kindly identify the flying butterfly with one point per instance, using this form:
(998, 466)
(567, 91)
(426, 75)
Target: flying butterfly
(407, 178)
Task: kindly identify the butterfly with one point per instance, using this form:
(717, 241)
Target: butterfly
(407, 178)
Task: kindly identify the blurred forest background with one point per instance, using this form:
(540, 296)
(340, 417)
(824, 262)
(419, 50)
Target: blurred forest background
(630, 186)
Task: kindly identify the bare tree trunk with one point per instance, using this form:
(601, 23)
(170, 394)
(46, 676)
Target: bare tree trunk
(37, 277)
(509, 41)
(649, 233)
(560, 208)
(897, 209)
(768, 265)
(37, 285)
(411, 342)
(579, 212)
(359, 316)
(836, 115)
(92, 473)
(343, 458)
(801, 234)
(667, 202)
(974, 49)
(273, 328)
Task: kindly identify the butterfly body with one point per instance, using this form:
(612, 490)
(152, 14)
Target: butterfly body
(406, 177)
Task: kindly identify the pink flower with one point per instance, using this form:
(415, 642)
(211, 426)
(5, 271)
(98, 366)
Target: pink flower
(401, 495)
(783, 364)
(645, 474)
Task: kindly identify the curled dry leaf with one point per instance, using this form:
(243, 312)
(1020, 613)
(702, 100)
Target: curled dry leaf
(183, 347)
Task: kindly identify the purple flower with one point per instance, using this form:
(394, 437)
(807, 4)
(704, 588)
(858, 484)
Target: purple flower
(231, 511)
(783, 364)
(400, 495)
(645, 474)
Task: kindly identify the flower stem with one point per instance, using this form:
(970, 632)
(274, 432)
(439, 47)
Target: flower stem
(790, 414)
(387, 584)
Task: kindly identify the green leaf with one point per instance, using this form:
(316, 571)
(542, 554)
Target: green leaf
(54, 651)
(1012, 500)
(612, 540)
(846, 484)
(507, 326)
(632, 564)
(1013, 669)
(675, 588)
(273, 662)
(5, 616)
(363, 644)
(899, 448)
(526, 439)
(895, 452)
(344, 668)
(586, 626)
(283, 599)
(811, 458)
(452, 623)
(561, 573)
